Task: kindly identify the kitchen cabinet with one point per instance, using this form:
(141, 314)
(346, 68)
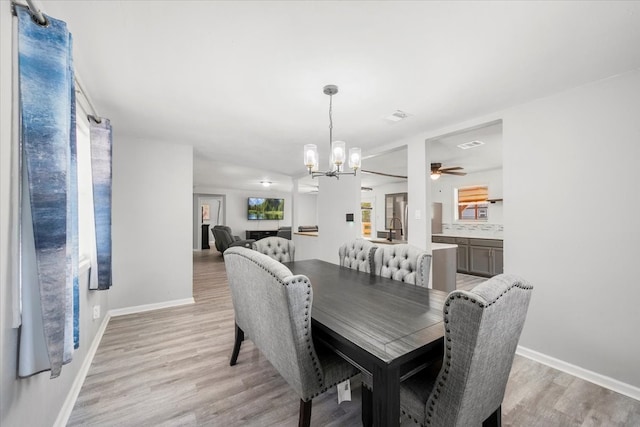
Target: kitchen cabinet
(485, 257)
(498, 261)
(481, 257)
(463, 254)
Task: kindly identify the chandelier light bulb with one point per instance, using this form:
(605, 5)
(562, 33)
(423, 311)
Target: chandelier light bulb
(355, 158)
(310, 156)
(339, 148)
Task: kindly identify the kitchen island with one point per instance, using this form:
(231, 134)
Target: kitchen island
(443, 266)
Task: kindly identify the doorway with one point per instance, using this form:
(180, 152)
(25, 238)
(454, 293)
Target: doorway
(208, 211)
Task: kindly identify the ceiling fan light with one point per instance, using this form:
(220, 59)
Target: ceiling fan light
(435, 175)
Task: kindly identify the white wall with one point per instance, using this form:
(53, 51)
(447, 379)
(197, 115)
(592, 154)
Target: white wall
(307, 207)
(442, 191)
(567, 223)
(336, 198)
(152, 220)
(419, 196)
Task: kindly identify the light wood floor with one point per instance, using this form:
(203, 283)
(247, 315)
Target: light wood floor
(170, 367)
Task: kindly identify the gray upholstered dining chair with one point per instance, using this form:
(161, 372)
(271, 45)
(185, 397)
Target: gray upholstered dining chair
(278, 248)
(482, 329)
(273, 307)
(403, 262)
(357, 254)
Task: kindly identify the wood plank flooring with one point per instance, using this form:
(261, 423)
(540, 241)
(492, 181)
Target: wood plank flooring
(170, 367)
(467, 282)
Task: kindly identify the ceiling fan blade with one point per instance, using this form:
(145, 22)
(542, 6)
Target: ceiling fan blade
(383, 174)
(451, 168)
(453, 173)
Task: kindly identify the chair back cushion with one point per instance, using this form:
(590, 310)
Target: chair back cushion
(273, 308)
(403, 262)
(482, 329)
(223, 237)
(357, 254)
(278, 248)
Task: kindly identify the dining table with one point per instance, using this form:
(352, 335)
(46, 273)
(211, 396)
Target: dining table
(388, 329)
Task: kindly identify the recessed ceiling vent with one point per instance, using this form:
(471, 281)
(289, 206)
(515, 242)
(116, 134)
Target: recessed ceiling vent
(471, 144)
(397, 116)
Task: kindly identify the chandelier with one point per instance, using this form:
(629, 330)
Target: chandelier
(336, 148)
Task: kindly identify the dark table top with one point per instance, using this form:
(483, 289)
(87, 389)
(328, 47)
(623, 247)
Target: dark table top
(387, 318)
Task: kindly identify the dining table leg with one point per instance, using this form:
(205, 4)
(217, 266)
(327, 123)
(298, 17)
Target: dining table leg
(386, 396)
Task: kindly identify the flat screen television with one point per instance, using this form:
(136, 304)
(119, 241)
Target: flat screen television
(265, 208)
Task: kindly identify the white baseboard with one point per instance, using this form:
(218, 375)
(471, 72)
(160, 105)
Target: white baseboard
(593, 377)
(150, 307)
(72, 396)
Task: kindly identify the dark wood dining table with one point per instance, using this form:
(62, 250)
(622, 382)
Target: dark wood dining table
(384, 327)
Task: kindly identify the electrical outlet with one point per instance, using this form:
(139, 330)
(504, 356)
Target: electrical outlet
(96, 312)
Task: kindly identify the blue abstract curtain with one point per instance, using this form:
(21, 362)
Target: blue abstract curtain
(101, 143)
(73, 235)
(49, 214)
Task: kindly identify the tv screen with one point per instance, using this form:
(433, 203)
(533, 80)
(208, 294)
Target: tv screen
(265, 208)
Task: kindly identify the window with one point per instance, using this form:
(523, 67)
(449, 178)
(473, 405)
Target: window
(472, 203)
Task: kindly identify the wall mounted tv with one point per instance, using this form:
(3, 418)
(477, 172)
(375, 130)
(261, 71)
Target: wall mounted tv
(265, 208)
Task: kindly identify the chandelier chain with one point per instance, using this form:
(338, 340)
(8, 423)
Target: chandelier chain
(330, 122)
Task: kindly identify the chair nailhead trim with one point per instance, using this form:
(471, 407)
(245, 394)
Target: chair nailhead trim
(447, 362)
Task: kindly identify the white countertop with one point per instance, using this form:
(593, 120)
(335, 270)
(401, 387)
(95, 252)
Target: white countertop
(438, 246)
(468, 235)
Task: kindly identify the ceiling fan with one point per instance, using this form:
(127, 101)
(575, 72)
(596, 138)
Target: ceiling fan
(437, 170)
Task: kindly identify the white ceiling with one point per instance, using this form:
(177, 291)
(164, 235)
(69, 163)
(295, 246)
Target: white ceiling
(444, 150)
(242, 81)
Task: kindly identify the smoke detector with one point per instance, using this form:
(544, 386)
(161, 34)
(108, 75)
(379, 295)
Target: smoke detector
(396, 116)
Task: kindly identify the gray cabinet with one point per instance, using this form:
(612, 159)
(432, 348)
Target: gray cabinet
(485, 256)
(480, 260)
(498, 265)
(463, 254)
(481, 257)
